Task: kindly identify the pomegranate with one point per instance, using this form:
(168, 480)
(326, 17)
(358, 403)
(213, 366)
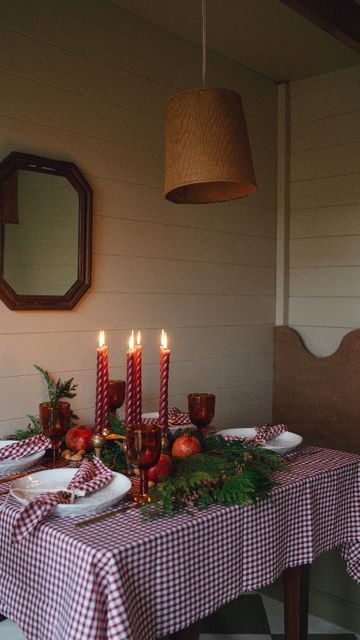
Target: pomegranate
(185, 446)
(78, 438)
(161, 469)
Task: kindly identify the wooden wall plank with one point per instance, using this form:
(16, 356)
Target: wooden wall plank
(141, 202)
(325, 252)
(326, 81)
(69, 351)
(323, 192)
(338, 160)
(325, 221)
(85, 81)
(180, 276)
(326, 281)
(327, 132)
(324, 312)
(336, 99)
(126, 238)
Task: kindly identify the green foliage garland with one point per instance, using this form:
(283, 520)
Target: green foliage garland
(112, 454)
(226, 472)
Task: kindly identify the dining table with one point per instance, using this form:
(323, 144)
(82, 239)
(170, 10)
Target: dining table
(124, 577)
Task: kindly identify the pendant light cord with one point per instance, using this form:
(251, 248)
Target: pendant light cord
(203, 43)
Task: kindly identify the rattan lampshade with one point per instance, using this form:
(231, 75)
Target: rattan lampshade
(207, 151)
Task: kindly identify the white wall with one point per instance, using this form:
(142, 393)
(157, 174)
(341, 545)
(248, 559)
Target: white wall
(325, 208)
(84, 81)
(324, 280)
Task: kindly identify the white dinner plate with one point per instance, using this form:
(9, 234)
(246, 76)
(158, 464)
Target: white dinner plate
(283, 443)
(8, 467)
(28, 487)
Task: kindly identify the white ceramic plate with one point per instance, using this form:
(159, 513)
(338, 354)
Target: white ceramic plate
(24, 489)
(283, 443)
(8, 467)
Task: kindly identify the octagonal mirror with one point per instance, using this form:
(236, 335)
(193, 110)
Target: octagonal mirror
(46, 215)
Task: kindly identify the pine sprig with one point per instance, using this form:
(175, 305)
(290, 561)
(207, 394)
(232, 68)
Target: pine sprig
(116, 425)
(33, 429)
(226, 472)
(58, 389)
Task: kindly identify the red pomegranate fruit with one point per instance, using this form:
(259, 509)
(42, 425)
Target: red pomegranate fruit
(161, 469)
(78, 438)
(185, 446)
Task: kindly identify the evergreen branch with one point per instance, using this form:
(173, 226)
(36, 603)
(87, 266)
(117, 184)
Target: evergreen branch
(33, 429)
(57, 389)
(227, 472)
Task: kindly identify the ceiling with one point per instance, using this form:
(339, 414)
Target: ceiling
(265, 35)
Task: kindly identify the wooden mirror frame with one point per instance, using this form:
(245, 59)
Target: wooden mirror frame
(12, 163)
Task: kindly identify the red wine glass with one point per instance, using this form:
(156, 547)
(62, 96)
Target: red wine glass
(143, 443)
(54, 419)
(201, 409)
(116, 395)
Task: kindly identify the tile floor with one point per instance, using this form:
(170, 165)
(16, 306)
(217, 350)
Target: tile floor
(251, 617)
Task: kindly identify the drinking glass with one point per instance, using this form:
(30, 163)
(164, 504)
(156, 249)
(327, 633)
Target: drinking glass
(54, 418)
(143, 443)
(201, 409)
(116, 395)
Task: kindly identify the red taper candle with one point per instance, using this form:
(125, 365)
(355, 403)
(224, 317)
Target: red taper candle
(130, 383)
(164, 383)
(102, 385)
(138, 381)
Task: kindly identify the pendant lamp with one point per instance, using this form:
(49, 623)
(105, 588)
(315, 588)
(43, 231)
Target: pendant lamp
(207, 150)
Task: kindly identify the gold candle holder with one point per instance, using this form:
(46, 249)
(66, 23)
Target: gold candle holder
(98, 442)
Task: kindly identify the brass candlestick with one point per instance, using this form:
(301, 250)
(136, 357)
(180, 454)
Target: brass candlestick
(98, 442)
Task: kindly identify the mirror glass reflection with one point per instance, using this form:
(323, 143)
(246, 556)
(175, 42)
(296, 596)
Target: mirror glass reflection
(41, 220)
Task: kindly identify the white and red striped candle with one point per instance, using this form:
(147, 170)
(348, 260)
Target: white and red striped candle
(102, 385)
(138, 380)
(164, 383)
(130, 393)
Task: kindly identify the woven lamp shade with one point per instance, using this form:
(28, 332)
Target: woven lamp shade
(207, 151)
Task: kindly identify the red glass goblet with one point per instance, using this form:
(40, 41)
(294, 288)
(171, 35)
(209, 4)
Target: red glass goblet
(54, 418)
(116, 395)
(201, 409)
(143, 443)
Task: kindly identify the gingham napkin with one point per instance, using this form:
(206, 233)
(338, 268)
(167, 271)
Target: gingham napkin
(176, 418)
(91, 476)
(24, 448)
(264, 433)
(179, 418)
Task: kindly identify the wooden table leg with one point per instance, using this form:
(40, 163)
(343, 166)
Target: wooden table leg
(296, 602)
(190, 633)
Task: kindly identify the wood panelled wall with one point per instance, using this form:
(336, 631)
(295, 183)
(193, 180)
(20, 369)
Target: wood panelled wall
(324, 250)
(325, 208)
(83, 80)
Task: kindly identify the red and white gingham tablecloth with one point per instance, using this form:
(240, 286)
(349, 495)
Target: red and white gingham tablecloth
(124, 578)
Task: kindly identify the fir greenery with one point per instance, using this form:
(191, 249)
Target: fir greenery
(57, 389)
(226, 472)
(33, 429)
(112, 454)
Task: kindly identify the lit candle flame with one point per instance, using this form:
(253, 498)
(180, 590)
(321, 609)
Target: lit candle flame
(101, 339)
(131, 341)
(163, 339)
(138, 342)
